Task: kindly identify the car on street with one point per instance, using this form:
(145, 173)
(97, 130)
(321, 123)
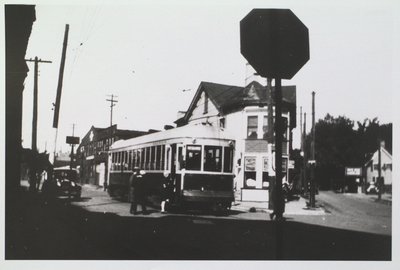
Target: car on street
(63, 182)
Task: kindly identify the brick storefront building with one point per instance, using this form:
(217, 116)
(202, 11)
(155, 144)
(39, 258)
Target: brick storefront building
(92, 152)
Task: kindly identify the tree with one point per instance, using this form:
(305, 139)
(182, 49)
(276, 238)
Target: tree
(338, 145)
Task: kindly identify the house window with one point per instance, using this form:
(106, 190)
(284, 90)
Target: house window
(205, 103)
(222, 122)
(252, 127)
(250, 172)
(387, 166)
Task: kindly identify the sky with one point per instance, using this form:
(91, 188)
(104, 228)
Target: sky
(147, 52)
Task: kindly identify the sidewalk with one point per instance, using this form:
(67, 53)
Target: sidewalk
(296, 207)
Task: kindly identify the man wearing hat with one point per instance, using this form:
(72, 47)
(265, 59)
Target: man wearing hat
(137, 191)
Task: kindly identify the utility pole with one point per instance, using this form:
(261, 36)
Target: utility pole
(112, 101)
(380, 184)
(59, 88)
(270, 138)
(35, 100)
(313, 164)
(72, 149)
(279, 203)
(32, 184)
(305, 155)
(301, 147)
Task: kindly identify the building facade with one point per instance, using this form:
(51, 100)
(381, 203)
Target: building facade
(371, 168)
(243, 112)
(92, 152)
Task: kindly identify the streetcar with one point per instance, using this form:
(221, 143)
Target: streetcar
(198, 160)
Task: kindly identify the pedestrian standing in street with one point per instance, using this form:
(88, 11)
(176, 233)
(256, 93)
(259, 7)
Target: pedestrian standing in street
(166, 192)
(137, 191)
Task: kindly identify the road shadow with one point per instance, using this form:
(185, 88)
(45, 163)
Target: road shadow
(60, 231)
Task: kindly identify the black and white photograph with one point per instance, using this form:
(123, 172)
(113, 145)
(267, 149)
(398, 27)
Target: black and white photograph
(199, 134)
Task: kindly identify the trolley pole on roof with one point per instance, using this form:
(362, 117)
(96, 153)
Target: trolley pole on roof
(112, 101)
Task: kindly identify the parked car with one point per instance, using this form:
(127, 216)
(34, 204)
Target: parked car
(372, 189)
(63, 182)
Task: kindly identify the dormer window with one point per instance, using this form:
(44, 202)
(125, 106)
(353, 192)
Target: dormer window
(222, 122)
(205, 103)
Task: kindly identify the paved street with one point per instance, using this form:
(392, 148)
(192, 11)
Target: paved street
(357, 212)
(98, 227)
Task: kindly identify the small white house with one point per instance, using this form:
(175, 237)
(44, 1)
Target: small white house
(371, 167)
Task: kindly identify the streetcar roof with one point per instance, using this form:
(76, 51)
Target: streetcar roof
(189, 131)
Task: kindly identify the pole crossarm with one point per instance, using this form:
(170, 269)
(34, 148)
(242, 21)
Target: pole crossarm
(38, 60)
(112, 104)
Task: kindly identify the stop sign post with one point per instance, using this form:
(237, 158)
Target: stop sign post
(276, 44)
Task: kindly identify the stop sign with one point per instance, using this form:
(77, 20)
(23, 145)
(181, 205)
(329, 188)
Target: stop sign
(274, 42)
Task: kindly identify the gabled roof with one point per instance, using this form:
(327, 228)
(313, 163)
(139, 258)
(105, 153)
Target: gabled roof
(229, 98)
(372, 156)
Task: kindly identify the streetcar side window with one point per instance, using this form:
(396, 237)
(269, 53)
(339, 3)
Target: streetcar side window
(212, 158)
(159, 157)
(126, 161)
(147, 158)
(112, 161)
(130, 160)
(167, 159)
(228, 159)
(193, 157)
(136, 158)
(153, 158)
(142, 154)
(132, 165)
(162, 157)
(118, 161)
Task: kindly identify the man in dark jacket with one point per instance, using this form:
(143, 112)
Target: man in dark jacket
(137, 191)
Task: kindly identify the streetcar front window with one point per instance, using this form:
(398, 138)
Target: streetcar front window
(212, 158)
(193, 157)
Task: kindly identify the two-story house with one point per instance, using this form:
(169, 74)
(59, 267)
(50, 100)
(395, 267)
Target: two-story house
(243, 112)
